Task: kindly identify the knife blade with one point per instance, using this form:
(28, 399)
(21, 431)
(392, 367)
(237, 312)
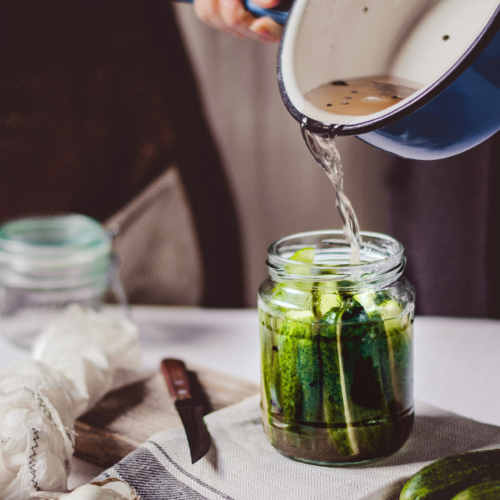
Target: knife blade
(190, 408)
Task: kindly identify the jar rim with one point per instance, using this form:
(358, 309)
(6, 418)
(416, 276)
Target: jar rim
(52, 242)
(382, 259)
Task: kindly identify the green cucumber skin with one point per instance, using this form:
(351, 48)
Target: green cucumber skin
(365, 397)
(290, 385)
(271, 374)
(265, 357)
(483, 491)
(333, 402)
(383, 357)
(443, 479)
(399, 368)
(309, 377)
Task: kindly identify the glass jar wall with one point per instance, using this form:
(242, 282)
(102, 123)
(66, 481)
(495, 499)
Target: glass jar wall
(47, 263)
(337, 349)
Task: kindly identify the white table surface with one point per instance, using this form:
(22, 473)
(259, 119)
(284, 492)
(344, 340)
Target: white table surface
(457, 361)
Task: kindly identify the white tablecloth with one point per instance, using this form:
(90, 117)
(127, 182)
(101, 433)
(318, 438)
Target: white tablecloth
(456, 360)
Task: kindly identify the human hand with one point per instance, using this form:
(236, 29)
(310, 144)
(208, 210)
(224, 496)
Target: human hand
(230, 16)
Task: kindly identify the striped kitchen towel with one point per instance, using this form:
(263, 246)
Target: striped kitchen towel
(242, 465)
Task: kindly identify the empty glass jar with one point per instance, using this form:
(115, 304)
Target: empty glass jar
(47, 263)
(337, 349)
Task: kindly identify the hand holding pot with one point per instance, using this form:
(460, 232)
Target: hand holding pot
(231, 16)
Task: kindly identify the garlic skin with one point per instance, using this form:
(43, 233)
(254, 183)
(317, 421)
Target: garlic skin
(93, 492)
(109, 489)
(79, 357)
(122, 487)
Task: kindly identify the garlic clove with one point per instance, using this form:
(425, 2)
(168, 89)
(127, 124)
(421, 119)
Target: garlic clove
(94, 492)
(48, 495)
(120, 486)
(109, 489)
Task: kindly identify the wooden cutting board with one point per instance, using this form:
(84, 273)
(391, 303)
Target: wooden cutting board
(127, 417)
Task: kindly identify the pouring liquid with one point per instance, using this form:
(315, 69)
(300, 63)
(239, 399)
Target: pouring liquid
(354, 97)
(325, 152)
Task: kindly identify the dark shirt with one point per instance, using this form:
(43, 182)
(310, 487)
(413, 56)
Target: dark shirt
(97, 98)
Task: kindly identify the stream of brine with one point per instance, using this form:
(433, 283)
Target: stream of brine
(355, 97)
(325, 152)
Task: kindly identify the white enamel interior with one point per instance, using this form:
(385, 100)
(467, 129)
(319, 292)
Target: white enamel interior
(329, 40)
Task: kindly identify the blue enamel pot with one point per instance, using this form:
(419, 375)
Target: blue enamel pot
(450, 49)
(278, 14)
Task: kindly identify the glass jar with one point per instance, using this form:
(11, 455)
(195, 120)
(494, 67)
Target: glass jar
(47, 263)
(336, 349)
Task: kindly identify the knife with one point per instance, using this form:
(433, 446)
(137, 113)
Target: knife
(190, 409)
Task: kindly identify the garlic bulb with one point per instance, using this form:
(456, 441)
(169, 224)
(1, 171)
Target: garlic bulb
(109, 489)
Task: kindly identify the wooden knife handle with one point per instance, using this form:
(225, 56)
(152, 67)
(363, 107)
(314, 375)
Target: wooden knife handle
(175, 373)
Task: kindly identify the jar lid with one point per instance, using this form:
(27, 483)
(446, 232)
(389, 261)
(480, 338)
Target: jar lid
(50, 243)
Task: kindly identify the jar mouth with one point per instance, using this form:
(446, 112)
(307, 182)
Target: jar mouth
(52, 242)
(382, 259)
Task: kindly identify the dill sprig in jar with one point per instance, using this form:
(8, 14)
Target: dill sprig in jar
(47, 263)
(336, 349)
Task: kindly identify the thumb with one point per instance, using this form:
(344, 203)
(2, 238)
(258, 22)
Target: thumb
(268, 29)
(267, 4)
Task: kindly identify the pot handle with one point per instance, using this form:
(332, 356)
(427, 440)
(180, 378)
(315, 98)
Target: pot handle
(278, 14)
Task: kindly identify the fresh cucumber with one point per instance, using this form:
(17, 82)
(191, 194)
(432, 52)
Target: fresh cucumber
(309, 375)
(361, 379)
(266, 356)
(444, 479)
(304, 255)
(304, 259)
(271, 374)
(333, 401)
(483, 491)
(290, 391)
(396, 354)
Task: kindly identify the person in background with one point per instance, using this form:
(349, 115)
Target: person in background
(97, 102)
(447, 215)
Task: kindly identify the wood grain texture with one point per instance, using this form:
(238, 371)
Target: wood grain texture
(127, 417)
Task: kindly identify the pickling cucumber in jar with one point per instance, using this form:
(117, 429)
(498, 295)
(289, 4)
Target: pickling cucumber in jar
(336, 349)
